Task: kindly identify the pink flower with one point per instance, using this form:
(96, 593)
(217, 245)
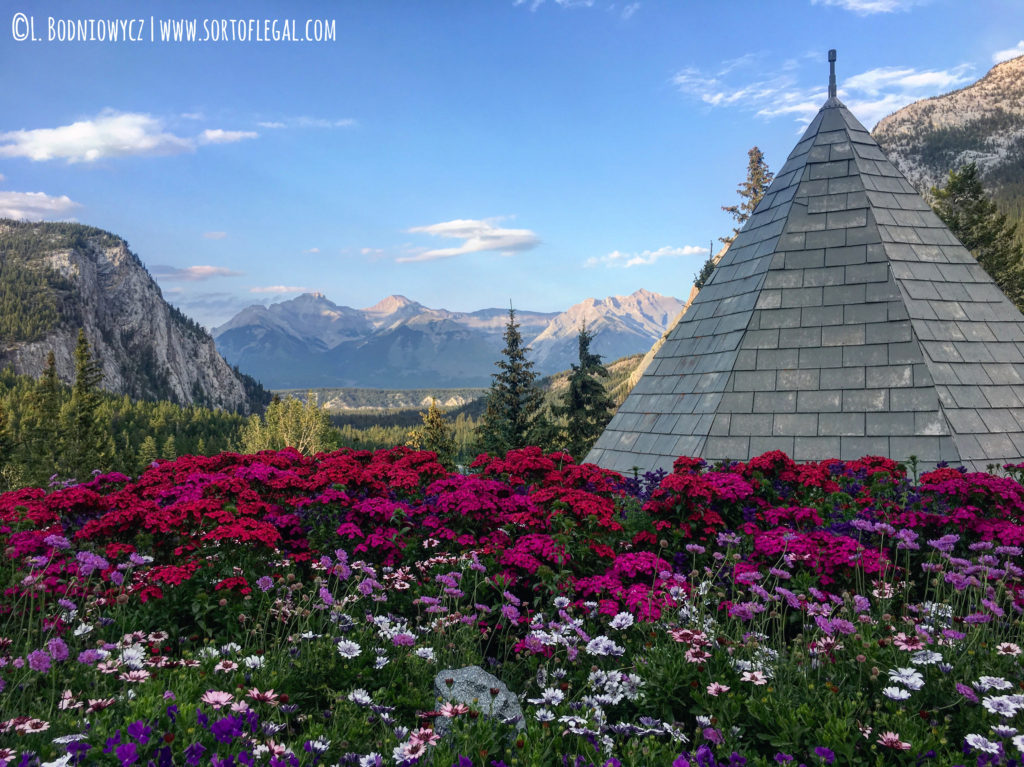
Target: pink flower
(754, 677)
(717, 689)
(226, 665)
(451, 710)
(217, 698)
(891, 739)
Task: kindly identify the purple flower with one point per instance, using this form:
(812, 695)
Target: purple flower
(89, 657)
(140, 731)
(782, 758)
(194, 753)
(58, 649)
(265, 583)
(88, 562)
(681, 761)
(944, 544)
(227, 729)
(325, 596)
(57, 542)
(172, 712)
(825, 753)
(710, 733)
(128, 754)
(39, 660)
(67, 604)
(403, 640)
(510, 612)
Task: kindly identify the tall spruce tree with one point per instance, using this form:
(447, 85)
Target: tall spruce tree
(41, 427)
(586, 405)
(759, 178)
(87, 444)
(514, 416)
(976, 221)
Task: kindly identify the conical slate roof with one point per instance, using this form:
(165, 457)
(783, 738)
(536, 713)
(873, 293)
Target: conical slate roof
(845, 320)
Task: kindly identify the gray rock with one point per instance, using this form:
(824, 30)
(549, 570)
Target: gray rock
(473, 687)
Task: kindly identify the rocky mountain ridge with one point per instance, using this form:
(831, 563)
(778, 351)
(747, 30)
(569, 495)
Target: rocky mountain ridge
(146, 348)
(981, 123)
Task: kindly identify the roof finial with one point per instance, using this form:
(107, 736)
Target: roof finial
(832, 73)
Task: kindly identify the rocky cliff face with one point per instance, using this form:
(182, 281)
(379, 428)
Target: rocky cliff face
(147, 348)
(982, 123)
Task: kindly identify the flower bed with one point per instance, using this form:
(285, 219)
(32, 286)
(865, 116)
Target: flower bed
(280, 609)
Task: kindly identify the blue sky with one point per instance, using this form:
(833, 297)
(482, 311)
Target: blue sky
(464, 154)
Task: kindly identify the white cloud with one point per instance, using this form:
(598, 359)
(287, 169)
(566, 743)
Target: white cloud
(312, 250)
(1009, 53)
(869, 7)
(218, 136)
(279, 289)
(308, 122)
(645, 257)
(629, 10)
(193, 273)
(215, 235)
(111, 134)
(34, 206)
(870, 95)
(477, 236)
(192, 116)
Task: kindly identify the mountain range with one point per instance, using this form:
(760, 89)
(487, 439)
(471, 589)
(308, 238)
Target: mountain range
(309, 341)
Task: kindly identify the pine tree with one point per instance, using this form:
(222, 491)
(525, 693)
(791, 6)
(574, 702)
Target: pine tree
(704, 274)
(973, 217)
(87, 442)
(759, 178)
(169, 451)
(147, 453)
(513, 417)
(41, 428)
(586, 406)
(436, 434)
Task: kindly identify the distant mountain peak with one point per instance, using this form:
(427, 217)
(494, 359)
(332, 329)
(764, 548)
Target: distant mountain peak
(391, 304)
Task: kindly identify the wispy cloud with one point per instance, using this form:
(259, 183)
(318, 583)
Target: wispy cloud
(1009, 53)
(218, 136)
(311, 250)
(645, 257)
(109, 134)
(871, 7)
(193, 273)
(278, 289)
(629, 10)
(34, 206)
(308, 122)
(778, 93)
(477, 236)
(535, 4)
(214, 235)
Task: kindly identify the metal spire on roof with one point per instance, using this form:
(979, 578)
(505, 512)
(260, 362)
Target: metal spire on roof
(832, 73)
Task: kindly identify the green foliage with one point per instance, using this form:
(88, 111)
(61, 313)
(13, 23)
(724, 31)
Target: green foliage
(87, 443)
(586, 405)
(976, 221)
(289, 422)
(759, 178)
(514, 417)
(137, 429)
(39, 430)
(436, 435)
(705, 272)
